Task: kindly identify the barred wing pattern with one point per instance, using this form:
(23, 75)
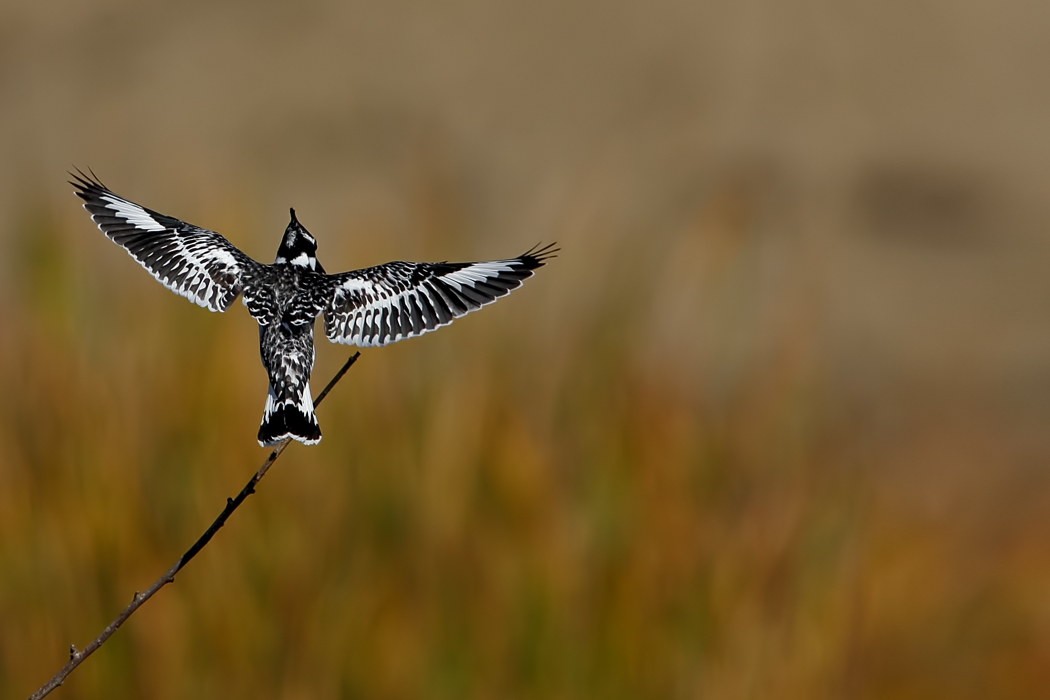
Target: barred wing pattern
(384, 304)
(193, 262)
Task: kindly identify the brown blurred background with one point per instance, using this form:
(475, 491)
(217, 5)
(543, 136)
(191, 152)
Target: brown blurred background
(774, 425)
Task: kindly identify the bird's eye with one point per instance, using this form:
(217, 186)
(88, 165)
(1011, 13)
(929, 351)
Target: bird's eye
(339, 303)
(230, 278)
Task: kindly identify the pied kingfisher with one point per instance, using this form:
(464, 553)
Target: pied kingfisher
(368, 307)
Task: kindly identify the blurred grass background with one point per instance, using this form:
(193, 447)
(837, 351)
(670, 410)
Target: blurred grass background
(772, 426)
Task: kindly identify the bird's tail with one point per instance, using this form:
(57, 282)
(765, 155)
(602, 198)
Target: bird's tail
(290, 417)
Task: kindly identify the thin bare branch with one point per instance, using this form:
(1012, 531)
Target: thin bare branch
(77, 657)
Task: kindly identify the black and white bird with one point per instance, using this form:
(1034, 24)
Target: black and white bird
(368, 307)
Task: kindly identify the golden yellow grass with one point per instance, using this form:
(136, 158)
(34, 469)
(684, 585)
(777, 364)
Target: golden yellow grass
(630, 479)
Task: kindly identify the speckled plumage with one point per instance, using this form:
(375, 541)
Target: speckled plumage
(368, 307)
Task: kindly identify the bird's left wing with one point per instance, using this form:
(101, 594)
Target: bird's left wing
(387, 303)
(193, 262)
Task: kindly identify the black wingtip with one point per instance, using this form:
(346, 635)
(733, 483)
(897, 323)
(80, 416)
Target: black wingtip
(539, 254)
(291, 212)
(85, 182)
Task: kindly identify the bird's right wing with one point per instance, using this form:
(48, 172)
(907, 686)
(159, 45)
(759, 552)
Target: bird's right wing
(387, 303)
(193, 262)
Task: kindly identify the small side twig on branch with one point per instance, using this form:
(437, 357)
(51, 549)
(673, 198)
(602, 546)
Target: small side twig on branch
(76, 657)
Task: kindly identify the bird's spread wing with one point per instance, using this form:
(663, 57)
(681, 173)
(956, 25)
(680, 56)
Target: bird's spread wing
(193, 262)
(398, 300)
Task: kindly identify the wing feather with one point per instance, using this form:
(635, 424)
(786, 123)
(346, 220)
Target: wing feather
(387, 303)
(193, 262)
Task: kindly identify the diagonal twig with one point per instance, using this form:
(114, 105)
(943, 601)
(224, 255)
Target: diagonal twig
(77, 657)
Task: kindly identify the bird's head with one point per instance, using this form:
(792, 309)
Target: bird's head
(298, 247)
